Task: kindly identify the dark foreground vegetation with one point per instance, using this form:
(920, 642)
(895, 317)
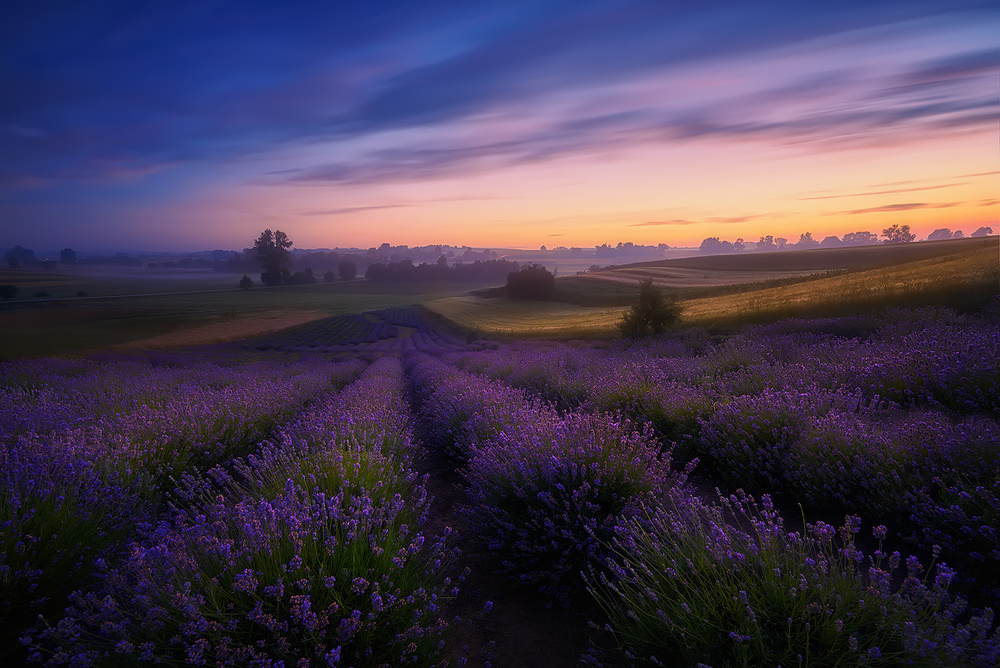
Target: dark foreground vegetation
(262, 502)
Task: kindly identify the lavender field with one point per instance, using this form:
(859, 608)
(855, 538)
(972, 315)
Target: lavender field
(817, 492)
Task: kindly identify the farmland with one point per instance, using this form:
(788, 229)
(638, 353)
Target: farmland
(374, 487)
(734, 290)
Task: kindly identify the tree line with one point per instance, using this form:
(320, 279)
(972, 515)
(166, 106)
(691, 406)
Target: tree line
(894, 234)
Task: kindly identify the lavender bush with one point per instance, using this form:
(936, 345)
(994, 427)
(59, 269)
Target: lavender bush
(546, 494)
(688, 588)
(304, 579)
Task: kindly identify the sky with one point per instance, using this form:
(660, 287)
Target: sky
(184, 126)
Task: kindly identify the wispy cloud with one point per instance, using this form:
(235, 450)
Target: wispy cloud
(885, 192)
(684, 222)
(353, 209)
(888, 208)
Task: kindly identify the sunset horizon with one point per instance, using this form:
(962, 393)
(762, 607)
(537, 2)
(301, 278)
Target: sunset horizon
(504, 125)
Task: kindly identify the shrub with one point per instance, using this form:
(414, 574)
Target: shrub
(651, 314)
(246, 282)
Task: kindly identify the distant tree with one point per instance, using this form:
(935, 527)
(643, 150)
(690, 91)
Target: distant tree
(983, 232)
(780, 243)
(898, 234)
(958, 235)
(713, 246)
(766, 244)
(8, 291)
(272, 252)
(329, 276)
(806, 241)
(831, 242)
(940, 233)
(860, 239)
(651, 314)
(246, 282)
(67, 256)
(377, 272)
(543, 248)
(347, 270)
(13, 262)
(739, 245)
(304, 277)
(532, 282)
(25, 255)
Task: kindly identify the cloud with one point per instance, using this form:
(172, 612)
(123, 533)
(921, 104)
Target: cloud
(901, 207)
(968, 64)
(683, 221)
(676, 221)
(353, 209)
(199, 83)
(886, 192)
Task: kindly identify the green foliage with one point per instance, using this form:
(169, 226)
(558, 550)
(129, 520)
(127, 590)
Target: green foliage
(347, 270)
(273, 255)
(652, 314)
(532, 282)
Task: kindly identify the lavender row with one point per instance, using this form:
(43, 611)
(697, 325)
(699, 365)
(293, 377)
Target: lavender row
(393, 330)
(680, 579)
(544, 490)
(797, 411)
(307, 552)
(90, 458)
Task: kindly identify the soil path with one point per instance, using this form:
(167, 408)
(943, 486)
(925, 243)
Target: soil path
(502, 623)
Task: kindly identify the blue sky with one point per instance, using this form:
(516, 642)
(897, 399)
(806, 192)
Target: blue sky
(189, 125)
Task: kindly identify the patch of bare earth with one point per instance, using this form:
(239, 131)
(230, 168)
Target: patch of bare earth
(226, 330)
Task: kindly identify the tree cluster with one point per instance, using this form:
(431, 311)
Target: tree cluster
(272, 251)
(532, 282)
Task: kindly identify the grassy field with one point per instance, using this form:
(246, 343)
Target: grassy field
(136, 310)
(963, 275)
(162, 308)
(713, 275)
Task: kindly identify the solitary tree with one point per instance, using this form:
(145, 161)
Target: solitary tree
(272, 253)
(983, 232)
(898, 234)
(652, 313)
(67, 256)
(941, 233)
(246, 282)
